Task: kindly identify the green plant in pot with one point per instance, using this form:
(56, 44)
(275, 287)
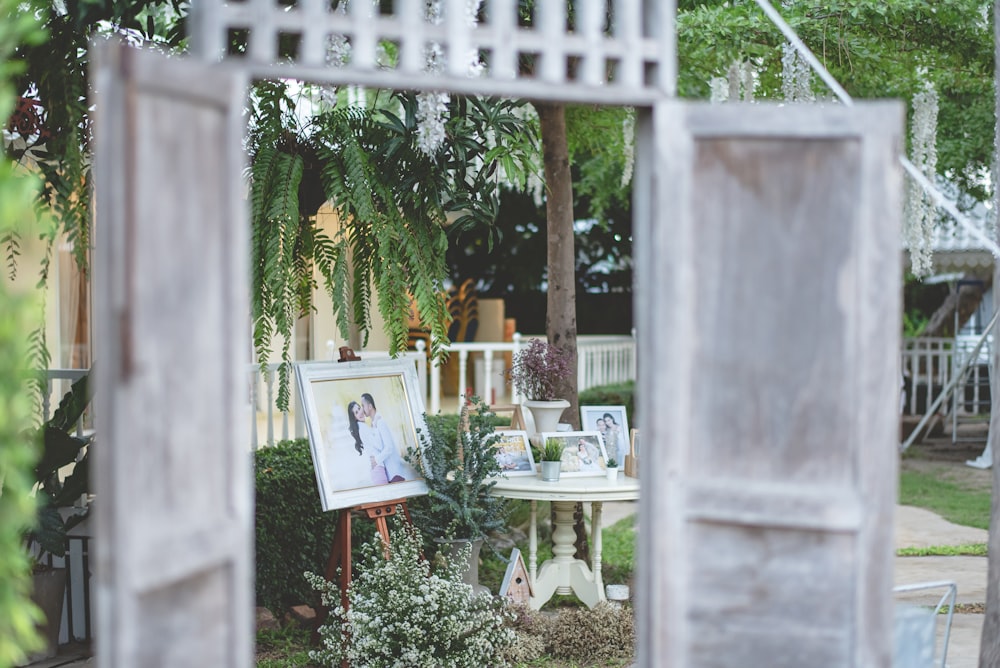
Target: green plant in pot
(460, 469)
(550, 459)
(538, 373)
(56, 497)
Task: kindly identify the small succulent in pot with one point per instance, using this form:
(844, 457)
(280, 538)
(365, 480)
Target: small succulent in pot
(539, 369)
(612, 463)
(552, 452)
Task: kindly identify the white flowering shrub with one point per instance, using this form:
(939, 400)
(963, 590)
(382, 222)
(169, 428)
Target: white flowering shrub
(401, 615)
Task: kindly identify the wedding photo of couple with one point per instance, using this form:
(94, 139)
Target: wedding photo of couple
(362, 419)
(373, 439)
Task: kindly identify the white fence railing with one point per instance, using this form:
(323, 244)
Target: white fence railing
(471, 369)
(929, 364)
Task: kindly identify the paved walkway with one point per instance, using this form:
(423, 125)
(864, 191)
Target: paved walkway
(916, 527)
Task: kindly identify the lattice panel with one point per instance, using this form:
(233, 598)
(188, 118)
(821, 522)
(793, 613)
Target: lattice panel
(609, 50)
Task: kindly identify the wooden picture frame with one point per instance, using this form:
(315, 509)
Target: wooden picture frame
(612, 423)
(574, 444)
(516, 417)
(513, 453)
(632, 459)
(336, 398)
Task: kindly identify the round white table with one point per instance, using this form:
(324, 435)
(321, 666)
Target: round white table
(563, 574)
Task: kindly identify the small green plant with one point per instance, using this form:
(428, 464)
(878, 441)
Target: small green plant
(553, 450)
(612, 463)
(460, 469)
(401, 613)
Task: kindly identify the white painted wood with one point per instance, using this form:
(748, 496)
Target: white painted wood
(771, 428)
(173, 515)
(642, 45)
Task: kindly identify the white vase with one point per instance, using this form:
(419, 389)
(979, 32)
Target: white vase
(546, 414)
(470, 569)
(612, 473)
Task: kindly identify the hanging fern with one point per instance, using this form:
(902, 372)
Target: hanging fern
(393, 202)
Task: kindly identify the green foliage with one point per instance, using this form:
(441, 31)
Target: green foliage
(459, 472)
(18, 455)
(616, 394)
(293, 533)
(394, 204)
(553, 450)
(946, 498)
(874, 48)
(965, 550)
(61, 447)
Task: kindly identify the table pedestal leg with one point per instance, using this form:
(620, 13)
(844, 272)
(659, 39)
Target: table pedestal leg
(563, 574)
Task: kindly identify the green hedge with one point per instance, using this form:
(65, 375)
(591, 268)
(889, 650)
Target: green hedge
(293, 533)
(619, 394)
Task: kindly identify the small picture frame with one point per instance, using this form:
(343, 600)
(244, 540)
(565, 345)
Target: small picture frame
(583, 453)
(513, 453)
(516, 417)
(612, 423)
(362, 417)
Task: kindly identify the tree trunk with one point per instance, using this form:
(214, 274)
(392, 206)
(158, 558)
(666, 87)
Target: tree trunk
(966, 300)
(989, 643)
(560, 313)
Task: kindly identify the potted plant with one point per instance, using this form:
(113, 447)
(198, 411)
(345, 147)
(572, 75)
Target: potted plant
(538, 372)
(460, 469)
(612, 468)
(550, 459)
(56, 496)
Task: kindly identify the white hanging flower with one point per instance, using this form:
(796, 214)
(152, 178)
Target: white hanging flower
(628, 139)
(920, 212)
(747, 81)
(431, 109)
(720, 89)
(796, 76)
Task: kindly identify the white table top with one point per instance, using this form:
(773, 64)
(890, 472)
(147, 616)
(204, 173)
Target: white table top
(588, 488)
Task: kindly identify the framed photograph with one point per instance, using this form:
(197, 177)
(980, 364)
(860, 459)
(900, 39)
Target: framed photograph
(583, 452)
(612, 423)
(514, 453)
(362, 417)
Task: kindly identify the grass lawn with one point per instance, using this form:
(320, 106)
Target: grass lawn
(950, 499)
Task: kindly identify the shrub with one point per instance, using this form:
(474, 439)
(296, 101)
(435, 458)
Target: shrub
(402, 614)
(459, 474)
(619, 394)
(599, 636)
(293, 533)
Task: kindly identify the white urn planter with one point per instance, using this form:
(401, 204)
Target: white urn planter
(546, 414)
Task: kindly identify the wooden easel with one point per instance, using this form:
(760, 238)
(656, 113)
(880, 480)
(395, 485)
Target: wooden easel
(340, 553)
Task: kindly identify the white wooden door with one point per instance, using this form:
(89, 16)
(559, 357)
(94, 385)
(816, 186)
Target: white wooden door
(768, 307)
(174, 497)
